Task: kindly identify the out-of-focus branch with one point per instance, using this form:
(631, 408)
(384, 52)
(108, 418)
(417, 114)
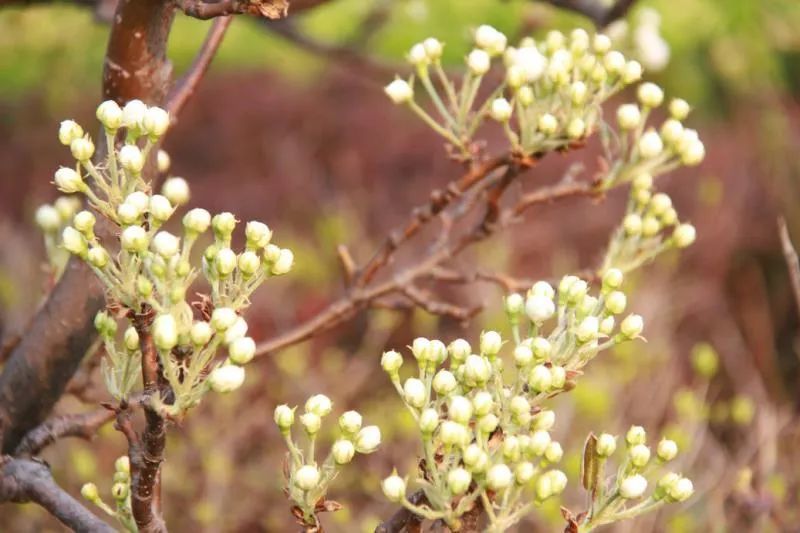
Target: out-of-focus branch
(203, 10)
(186, 86)
(792, 261)
(600, 13)
(403, 519)
(84, 425)
(27, 480)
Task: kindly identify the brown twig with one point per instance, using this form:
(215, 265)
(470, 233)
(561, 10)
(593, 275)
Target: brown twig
(28, 480)
(203, 10)
(600, 13)
(403, 519)
(84, 425)
(186, 86)
(792, 261)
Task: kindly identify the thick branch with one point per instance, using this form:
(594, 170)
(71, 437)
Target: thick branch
(599, 12)
(26, 480)
(792, 262)
(203, 10)
(403, 519)
(84, 425)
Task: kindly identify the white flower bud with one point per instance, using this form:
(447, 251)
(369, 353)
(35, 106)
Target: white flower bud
(284, 417)
(514, 304)
(84, 222)
(539, 308)
(165, 332)
(544, 420)
(368, 439)
(197, 220)
(540, 440)
(453, 434)
(222, 318)
(588, 329)
(47, 218)
(576, 128)
(319, 404)
(491, 342)
(131, 339)
(394, 488)
(110, 115)
(632, 326)
(680, 490)
(548, 124)
(511, 449)
(520, 406)
(68, 180)
(160, 207)
(311, 423)
(258, 234)
(541, 348)
(632, 72)
(475, 458)
(629, 116)
(693, 153)
(558, 481)
(459, 350)
(343, 451)
(249, 263)
(477, 369)
(540, 378)
(559, 374)
(163, 161)
(176, 190)
(499, 477)
(636, 435)
(639, 455)
(444, 382)
(417, 56)
(616, 302)
(531, 62)
(554, 40)
(633, 487)
(667, 450)
(241, 351)
(606, 445)
(515, 77)
(650, 145)
(307, 477)
(524, 472)
(482, 403)
(98, 257)
(236, 331)
(601, 43)
(500, 110)
(632, 224)
(650, 95)
(134, 239)
(391, 361)
(200, 333)
(131, 158)
(643, 181)
(414, 392)
(433, 47)
(460, 410)
(68, 131)
(399, 91)
(89, 492)
(679, 109)
(607, 325)
(478, 62)
(284, 263)
(671, 131)
(489, 39)
(166, 244)
(523, 356)
(133, 114)
(82, 149)
(225, 262)
(428, 421)
(421, 348)
(614, 62)
(458, 480)
(155, 122)
(553, 453)
(613, 278)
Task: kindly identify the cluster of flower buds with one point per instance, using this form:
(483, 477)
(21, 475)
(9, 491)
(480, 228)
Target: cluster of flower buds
(481, 438)
(624, 495)
(51, 219)
(120, 493)
(308, 482)
(149, 268)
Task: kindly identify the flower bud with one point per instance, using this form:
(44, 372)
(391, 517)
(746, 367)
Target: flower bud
(601, 43)
(613, 278)
(475, 458)
(489, 39)
(460, 410)
(680, 490)
(399, 91)
(525, 96)
(544, 420)
(588, 329)
(123, 464)
(629, 116)
(576, 128)
(453, 434)
(633, 487)
(319, 404)
(500, 110)
(74, 242)
(553, 453)
(578, 92)
(636, 435)
(414, 392)
(614, 62)
(160, 208)
(226, 378)
(548, 124)
(391, 361)
(134, 239)
(667, 450)
(47, 218)
(491, 342)
(499, 477)
(155, 122)
(520, 406)
(541, 348)
(540, 378)
(131, 339)
(68, 180)
(165, 332)
(606, 445)
(225, 262)
(284, 263)
(133, 114)
(368, 439)
(197, 220)
(417, 56)
(632, 72)
(679, 109)
(428, 421)
(540, 440)
(222, 318)
(241, 351)
(131, 158)
(68, 131)
(616, 302)
(394, 488)
(458, 480)
(89, 492)
(176, 190)
(650, 145)
(639, 455)
(343, 451)
(632, 326)
(693, 153)
(119, 491)
(632, 224)
(482, 403)
(459, 350)
(162, 161)
(166, 244)
(433, 48)
(650, 95)
(477, 370)
(307, 477)
(684, 235)
(200, 333)
(444, 382)
(523, 356)
(311, 423)
(284, 417)
(478, 62)
(258, 234)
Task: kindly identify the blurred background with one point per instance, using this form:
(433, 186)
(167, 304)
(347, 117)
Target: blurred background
(291, 127)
